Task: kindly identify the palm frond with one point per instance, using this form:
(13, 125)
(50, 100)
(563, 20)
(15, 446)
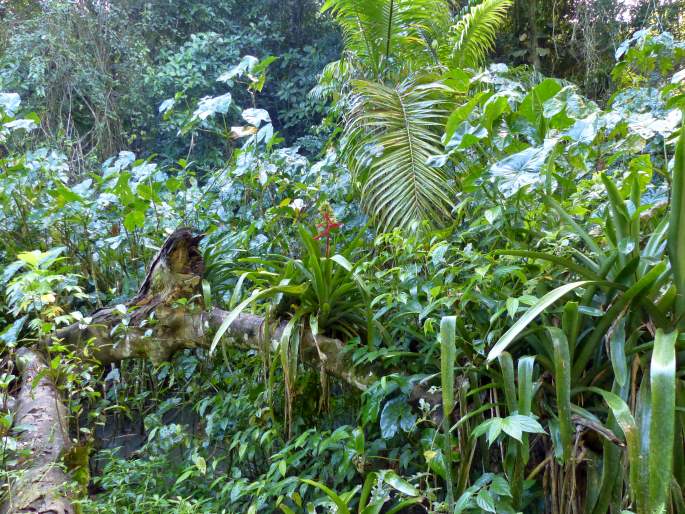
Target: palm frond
(390, 136)
(332, 80)
(360, 21)
(473, 36)
(378, 32)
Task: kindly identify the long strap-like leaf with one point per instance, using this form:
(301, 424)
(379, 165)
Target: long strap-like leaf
(530, 315)
(676, 229)
(662, 426)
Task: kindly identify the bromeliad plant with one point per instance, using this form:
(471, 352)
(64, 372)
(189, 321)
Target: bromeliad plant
(323, 293)
(618, 339)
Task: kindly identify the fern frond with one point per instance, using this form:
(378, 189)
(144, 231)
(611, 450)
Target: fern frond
(392, 133)
(473, 36)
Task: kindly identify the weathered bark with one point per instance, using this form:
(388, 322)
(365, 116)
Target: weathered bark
(39, 409)
(159, 324)
(161, 319)
(166, 316)
(180, 328)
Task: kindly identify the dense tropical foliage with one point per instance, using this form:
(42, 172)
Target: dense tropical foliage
(480, 204)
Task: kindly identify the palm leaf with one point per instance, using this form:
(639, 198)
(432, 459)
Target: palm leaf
(473, 36)
(390, 136)
(377, 32)
(361, 24)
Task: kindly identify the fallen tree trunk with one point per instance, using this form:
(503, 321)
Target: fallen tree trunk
(179, 329)
(166, 316)
(43, 416)
(329, 352)
(155, 324)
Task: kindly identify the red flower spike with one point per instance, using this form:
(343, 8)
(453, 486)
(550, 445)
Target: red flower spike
(329, 224)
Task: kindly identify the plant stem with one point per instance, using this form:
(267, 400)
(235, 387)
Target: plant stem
(448, 463)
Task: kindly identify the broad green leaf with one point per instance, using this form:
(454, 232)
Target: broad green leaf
(584, 130)
(246, 65)
(485, 501)
(35, 258)
(662, 426)
(448, 352)
(512, 427)
(625, 420)
(200, 464)
(522, 169)
(396, 415)
(484, 427)
(10, 334)
(256, 117)
(506, 363)
(619, 217)
(210, 105)
(562, 383)
(463, 501)
(369, 482)
(530, 315)
(10, 102)
(339, 503)
(465, 136)
(526, 390)
(393, 480)
(512, 307)
(343, 262)
(676, 228)
(10, 270)
(617, 341)
(525, 384)
(436, 462)
(134, 219)
(238, 290)
(206, 294)
(528, 424)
